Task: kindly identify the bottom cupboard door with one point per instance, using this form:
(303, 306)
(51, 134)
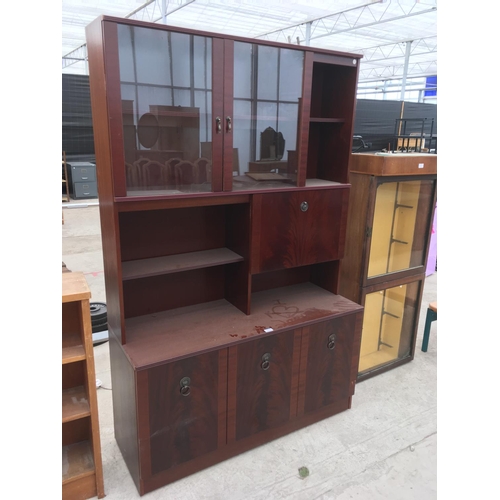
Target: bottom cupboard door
(263, 383)
(327, 350)
(186, 403)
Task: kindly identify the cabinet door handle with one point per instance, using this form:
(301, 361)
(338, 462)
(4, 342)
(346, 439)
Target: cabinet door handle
(266, 361)
(304, 206)
(218, 124)
(331, 342)
(185, 389)
(228, 121)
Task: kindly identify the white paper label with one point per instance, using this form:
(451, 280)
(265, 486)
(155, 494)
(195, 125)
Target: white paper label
(420, 165)
(267, 330)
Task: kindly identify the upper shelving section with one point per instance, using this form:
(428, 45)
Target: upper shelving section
(194, 112)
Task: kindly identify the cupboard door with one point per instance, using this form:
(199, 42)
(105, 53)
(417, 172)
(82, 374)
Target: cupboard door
(169, 103)
(400, 229)
(292, 229)
(184, 398)
(327, 348)
(263, 384)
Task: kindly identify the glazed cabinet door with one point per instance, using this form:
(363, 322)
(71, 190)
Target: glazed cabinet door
(182, 415)
(169, 101)
(327, 354)
(262, 384)
(292, 229)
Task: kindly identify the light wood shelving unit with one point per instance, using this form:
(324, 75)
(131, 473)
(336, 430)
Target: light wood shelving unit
(82, 475)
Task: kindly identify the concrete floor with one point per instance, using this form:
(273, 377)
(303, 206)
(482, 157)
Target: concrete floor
(384, 447)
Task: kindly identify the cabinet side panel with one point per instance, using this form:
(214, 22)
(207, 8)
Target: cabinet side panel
(102, 146)
(304, 112)
(352, 264)
(124, 408)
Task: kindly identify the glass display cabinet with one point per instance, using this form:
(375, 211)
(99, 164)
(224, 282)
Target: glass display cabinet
(222, 167)
(388, 235)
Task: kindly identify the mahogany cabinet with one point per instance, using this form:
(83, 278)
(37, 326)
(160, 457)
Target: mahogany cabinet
(389, 227)
(222, 165)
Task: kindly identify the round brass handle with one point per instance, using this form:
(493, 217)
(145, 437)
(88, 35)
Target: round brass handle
(185, 390)
(331, 342)
(304, 206)
(265, 361)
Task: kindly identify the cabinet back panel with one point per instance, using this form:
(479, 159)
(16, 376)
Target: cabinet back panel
(76, 431)
(71, 317)
(329, 147)
(154, 233)
(333, 90)
(282, 277)
(160, 293)
(73, 375)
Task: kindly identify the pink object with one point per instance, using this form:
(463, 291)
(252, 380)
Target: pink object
(432, 255)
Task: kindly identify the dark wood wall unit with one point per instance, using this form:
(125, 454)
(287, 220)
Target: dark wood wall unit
(226, 325)
(389, 225)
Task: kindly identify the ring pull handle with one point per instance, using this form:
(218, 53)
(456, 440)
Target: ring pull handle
(331, 342)
(304, 206)
(218, 124)
(266, 361)
(185, 390)
(228, 123)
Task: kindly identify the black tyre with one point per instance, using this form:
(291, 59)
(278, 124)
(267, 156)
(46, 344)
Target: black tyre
(98, 311)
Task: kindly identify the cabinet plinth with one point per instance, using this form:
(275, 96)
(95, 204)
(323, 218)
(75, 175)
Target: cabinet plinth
(223, 179)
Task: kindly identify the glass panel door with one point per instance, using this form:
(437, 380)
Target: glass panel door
(166, 92)
(267, 86)
(388, 325)
(400, 226)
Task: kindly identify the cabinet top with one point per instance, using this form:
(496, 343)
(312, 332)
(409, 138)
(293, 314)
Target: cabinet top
(222, 35)
(74, 287)
(393, 163)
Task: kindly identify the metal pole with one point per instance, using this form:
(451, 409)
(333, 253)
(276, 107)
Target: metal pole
(405, 71)
(164, 11)
(308, 33)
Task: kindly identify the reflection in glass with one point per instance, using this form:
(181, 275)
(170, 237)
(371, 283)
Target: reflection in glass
(267, 89)
(166, 87)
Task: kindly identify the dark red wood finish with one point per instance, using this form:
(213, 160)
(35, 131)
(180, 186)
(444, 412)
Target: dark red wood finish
(264, 384)
(286, 236)
(329, 355)
(234, 403)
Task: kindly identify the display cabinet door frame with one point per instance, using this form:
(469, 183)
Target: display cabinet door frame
(424, 226)
(408, 324)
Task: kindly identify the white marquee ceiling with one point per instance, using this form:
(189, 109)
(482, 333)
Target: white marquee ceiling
(384, 32)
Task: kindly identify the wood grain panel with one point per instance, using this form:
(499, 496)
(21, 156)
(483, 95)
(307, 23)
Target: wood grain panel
(304, 113)
(217, 111)
(328, 370)
(227, 183)
(290, 237)
(396, 164)
(124, 408)
(183, 427)
(264, 397)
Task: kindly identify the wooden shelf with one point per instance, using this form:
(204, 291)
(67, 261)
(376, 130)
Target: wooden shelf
(159, 337)
(75, 404)
(176, 263)
(77, 461)
(73, 354)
